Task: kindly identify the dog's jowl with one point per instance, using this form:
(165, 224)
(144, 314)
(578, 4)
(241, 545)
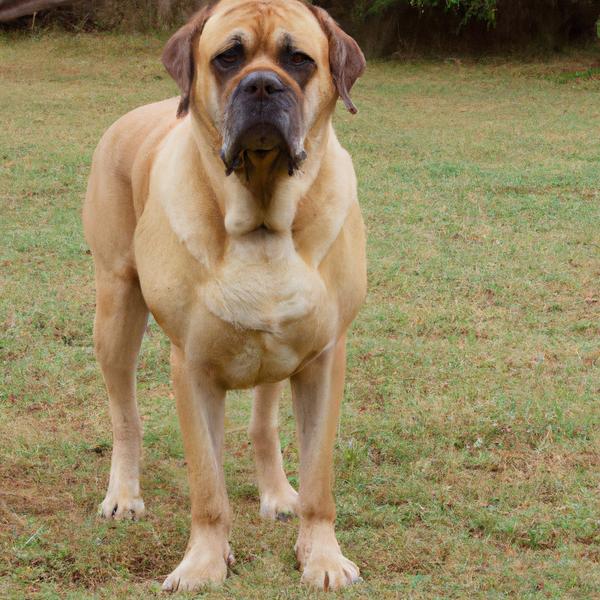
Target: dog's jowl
(231, 214)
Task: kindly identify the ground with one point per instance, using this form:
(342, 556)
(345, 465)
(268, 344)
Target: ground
(468, 457)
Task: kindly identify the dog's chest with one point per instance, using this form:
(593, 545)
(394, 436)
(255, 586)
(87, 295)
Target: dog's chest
(274, 309)
(256, 313)
(263, 285)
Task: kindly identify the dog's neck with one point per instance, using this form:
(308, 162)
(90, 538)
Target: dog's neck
(261, 194)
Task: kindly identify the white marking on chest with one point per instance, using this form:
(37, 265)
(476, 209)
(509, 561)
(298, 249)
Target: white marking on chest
(263, 284)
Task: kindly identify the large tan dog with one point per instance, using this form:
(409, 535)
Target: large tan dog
(231, 214)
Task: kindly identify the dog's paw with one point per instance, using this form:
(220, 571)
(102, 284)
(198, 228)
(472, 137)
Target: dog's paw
(280, 505)
(329, 571)
(323, 564)
(197, 570)
(121, 507)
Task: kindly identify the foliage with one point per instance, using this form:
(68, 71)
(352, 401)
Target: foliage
(383, 27)
(484, 10)
(386, 27)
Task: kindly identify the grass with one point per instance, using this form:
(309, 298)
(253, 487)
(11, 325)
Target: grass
(468, 460)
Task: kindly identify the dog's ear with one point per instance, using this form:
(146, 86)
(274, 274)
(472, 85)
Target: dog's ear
(178, 56)
(346, 60)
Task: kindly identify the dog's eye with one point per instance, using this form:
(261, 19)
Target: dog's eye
(299, 58)
(230, 57)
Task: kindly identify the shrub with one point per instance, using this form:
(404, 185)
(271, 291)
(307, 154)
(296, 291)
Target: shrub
(386, 26)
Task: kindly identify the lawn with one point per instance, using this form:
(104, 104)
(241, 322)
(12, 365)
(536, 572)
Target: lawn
(468, 457)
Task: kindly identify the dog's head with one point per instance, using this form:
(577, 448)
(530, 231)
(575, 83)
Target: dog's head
(262, 72)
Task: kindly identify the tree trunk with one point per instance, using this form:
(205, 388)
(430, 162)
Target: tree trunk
(13, 9)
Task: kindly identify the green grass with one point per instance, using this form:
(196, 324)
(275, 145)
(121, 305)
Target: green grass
(468, 460)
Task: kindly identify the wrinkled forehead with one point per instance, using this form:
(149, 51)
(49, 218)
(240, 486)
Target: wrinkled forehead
(263, 25)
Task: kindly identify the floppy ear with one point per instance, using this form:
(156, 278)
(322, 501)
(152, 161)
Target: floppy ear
(178, 57)
(346, 60)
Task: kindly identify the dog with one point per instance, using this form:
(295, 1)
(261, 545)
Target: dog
(231, 214)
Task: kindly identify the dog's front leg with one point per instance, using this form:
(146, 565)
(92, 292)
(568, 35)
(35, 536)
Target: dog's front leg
(317, 393)
(277, 497)
(200, 405)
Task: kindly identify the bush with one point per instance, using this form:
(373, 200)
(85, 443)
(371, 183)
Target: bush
(483, 10)
(387, 26)
(383, 27)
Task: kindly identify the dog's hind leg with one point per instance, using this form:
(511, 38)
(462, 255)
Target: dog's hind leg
(277, 497)
(109, 222)
(121, 317)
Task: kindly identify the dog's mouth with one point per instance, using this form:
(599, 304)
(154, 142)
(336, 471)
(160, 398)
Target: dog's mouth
(261, 144)
(262, 152)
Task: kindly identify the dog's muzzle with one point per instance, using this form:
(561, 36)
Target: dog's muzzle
(263, 114)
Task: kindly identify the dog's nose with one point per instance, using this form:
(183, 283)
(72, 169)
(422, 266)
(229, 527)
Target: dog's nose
(261, 84)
